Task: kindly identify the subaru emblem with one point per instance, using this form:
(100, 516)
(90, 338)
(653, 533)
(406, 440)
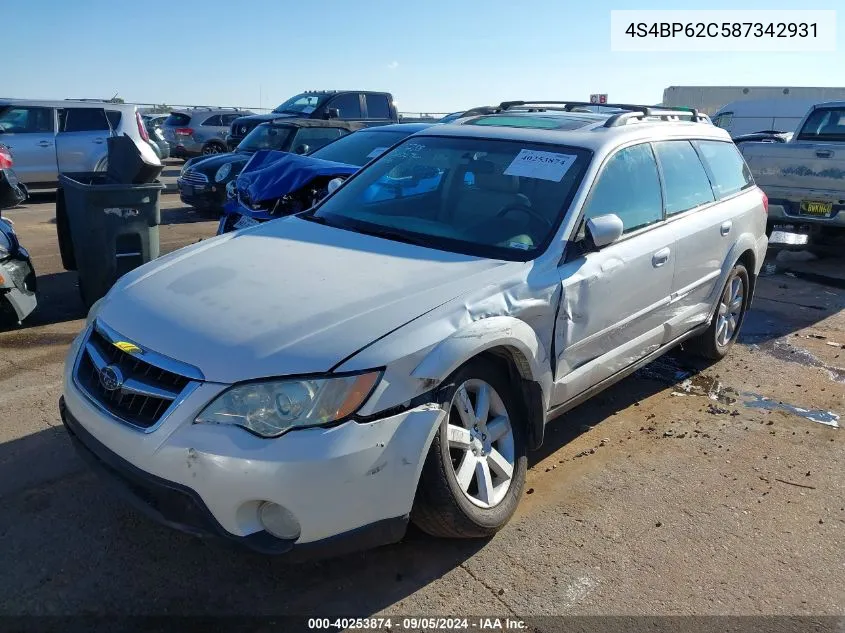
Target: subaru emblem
(111, 378)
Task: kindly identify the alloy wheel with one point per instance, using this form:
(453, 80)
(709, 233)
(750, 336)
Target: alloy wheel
(481, 443)
(730, 311)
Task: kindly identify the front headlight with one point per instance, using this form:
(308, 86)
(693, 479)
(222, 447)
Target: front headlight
(272, 407)
(223, 172)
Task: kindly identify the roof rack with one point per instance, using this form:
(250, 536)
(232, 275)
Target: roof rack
(631, 111)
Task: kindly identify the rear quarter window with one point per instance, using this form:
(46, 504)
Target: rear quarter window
(726, 166)
(177, 119)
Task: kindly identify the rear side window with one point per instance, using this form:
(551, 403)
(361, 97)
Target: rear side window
(215, 121)
(684, 180)
(177, 119)
(84, 120)
(728, 170)
(723, 120)
(377, 107)
(629, 187)
(824, 124)
(228, 119)
(114, 117)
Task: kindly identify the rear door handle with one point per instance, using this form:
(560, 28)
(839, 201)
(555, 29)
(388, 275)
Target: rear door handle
(726, 227)
(99, 141)
(45, 144)
(660, 257)
(824, 153)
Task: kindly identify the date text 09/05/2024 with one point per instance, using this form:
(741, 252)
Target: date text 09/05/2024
(723, 29)
(416, 623)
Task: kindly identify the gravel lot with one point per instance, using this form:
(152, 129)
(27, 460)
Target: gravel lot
(681, 490)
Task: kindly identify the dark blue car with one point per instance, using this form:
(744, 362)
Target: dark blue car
(274, 184)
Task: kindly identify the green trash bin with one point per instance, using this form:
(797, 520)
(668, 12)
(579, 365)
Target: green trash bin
(105, 229)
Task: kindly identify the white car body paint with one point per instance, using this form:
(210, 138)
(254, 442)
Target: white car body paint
(292, 297)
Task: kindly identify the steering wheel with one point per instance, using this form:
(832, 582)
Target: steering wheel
(518, 206)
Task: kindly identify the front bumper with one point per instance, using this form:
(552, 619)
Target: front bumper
(206, 196)
(350, 486)
(18, 285)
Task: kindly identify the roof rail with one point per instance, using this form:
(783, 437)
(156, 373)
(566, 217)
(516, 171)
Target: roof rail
(631, 111)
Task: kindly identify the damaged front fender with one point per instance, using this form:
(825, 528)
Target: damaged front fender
(504, 333)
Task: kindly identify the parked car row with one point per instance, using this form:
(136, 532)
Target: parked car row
(203, 180)
(390, 354)
(51, 137)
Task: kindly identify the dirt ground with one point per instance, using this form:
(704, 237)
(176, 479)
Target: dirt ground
(685, 489)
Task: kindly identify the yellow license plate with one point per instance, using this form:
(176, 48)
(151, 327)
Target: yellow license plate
(810, 207)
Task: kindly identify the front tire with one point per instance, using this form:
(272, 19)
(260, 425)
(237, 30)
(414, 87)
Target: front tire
(723, 331)
(474, 473)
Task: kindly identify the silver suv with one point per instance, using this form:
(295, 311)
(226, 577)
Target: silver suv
(197, 131)
(467, 286)
(47, 138)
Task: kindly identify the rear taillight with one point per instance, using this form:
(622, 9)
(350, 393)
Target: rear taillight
(184, 131)
(142, 129)
(765, 201)
(5, 158)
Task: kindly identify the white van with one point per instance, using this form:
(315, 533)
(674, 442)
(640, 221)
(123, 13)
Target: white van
(758, 115)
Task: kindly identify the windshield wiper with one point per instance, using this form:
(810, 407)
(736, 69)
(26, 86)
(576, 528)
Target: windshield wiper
(397, 236)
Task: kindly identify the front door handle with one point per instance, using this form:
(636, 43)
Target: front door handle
(824, 153)
(660, 257)
(45, 144)
(99, 141)
(726, 227)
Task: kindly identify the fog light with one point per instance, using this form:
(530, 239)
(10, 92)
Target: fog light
(279, 521)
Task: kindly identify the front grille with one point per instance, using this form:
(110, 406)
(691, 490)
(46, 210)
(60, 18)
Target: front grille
(194, 178)
(143, 391)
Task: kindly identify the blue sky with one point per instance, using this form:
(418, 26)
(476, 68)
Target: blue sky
(433, 55)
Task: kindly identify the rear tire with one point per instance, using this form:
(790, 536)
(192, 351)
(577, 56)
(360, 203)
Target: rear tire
(474, 473)
(209, 149)
(717, 340)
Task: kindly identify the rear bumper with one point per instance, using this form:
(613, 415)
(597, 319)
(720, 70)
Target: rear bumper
(181, 508)
(783, 211)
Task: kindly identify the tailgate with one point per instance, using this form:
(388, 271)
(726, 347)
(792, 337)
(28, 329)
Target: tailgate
(797, 167)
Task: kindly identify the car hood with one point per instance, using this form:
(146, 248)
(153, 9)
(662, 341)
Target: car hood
(272, 174)
(211, 164)
(287, 297)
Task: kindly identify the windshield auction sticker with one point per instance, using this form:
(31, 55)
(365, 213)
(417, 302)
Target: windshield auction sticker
(542, 165)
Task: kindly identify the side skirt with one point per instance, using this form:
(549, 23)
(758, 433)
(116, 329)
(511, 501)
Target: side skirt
(582, 397)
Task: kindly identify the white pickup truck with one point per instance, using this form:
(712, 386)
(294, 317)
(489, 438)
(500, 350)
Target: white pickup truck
(804, 178)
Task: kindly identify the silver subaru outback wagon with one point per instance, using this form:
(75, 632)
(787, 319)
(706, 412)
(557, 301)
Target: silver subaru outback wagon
(465, 287)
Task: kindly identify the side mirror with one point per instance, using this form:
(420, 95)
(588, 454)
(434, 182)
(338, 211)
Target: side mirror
(332, 113)
(604, 229)
(302, 149)
(334, 183)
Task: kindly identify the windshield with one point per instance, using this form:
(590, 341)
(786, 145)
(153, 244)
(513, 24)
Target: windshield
(300, 104)
(359, 148)
(266, 136)
(493, 198)
(825, 124)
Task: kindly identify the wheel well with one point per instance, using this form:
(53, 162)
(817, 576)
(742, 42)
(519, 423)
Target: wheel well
(748, 260)
(530, 393)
